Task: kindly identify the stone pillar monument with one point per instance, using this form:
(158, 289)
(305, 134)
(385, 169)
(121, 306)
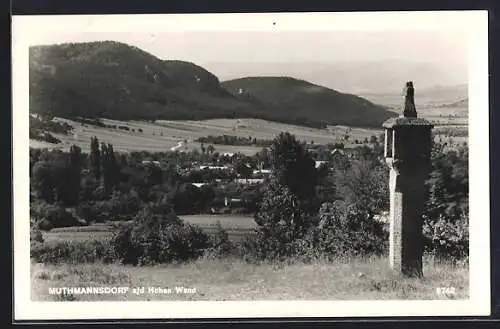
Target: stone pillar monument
(408, 145)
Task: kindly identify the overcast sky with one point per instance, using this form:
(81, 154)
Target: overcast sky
(438, 47)
(307, 55)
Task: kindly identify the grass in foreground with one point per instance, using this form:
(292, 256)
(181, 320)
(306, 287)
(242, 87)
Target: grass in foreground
(227, 279)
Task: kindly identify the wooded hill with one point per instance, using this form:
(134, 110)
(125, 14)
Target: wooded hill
(305, 102)
(117, 81)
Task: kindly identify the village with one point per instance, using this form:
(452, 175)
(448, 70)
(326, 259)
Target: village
(235, 178)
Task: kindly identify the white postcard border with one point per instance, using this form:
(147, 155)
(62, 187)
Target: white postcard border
(475, 24)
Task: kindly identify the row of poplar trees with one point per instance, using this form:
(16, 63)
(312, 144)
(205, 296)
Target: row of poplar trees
(103, 164)
(57, 176)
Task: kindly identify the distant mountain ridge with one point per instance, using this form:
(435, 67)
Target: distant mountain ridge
(117, 81)
(356, 77)
(299, 98)
(463, 103)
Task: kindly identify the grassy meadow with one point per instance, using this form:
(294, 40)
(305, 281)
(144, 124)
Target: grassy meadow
(233, 279)
(227, 279)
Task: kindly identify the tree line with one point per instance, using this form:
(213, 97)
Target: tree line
(235, 140)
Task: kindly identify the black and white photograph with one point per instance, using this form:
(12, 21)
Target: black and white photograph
(251, 165)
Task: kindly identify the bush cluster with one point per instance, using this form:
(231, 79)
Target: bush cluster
(157, 235)
(220, 245)
(120, 206)
(44, 136)
(291, 222)
(97, 212)
(447, 239)
(338, 234)
(281, 221)
(145, 244)
(93, 122)
(73, 252)
(36, 236)
(446, 219)
(350, 232)
(47, 216)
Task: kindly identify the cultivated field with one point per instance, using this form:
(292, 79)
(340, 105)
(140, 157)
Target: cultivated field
(236, 227)
(163, 135)
(449, 122)
(235, 280)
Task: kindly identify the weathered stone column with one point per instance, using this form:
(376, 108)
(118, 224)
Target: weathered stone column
(408, 145)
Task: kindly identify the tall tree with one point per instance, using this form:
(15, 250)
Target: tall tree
(74, 167)
(293, 167)
(41, 180)
(104, 167)
(95, 158)
(63, 178)
(109, 165)
(114, 166)
(281, 222)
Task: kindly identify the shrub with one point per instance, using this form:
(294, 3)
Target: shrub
(338, 234)
(352, 232)
(187, 199)
(261, 247)
(84, 210)
(73, 252)
(158, 236)
(220, 246)
(284, 222)
(281, 221)
(239, 211)
(121, 206)
(447, 239)
(124, 206)
(98, 212)
(364, 182)
(36, 236)
(47, 216)
(446, 220)
(44, 137)
(99, 194)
